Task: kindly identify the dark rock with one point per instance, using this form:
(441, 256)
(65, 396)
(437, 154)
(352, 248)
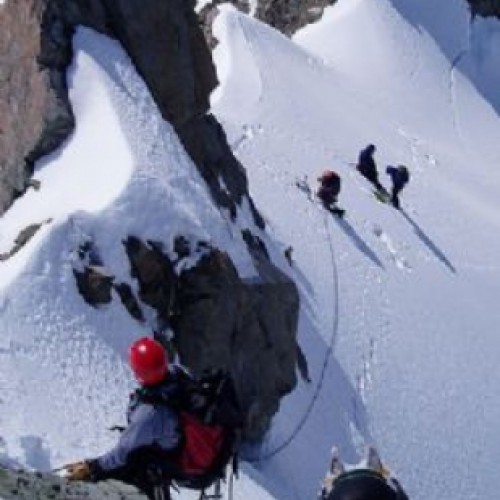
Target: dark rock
(246, 328)
(94, 285)
(205, 140)
(167, 47)
(485, 8)
(287, 16)
(182, 247)
(256, 246)
(290, 15)
(35, 113)
(23, 237)
(155, 275)
(128, 299)
(25, 485)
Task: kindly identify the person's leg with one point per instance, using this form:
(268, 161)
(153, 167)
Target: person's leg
(394, 196)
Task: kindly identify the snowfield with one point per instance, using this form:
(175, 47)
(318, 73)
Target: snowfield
(399, 310)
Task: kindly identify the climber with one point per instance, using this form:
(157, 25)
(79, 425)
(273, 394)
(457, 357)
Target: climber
(367, 167)
(144, 453)
(372, 481)
(329, 190)
(399, 176)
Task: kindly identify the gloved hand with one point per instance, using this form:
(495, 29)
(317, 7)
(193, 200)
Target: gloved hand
(79, 471)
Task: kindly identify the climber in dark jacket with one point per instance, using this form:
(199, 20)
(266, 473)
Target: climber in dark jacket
(148, 443)
(368, 168)
(399, 176)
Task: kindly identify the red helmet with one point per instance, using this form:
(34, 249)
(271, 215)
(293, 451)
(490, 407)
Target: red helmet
(148, 361)
(327, 175)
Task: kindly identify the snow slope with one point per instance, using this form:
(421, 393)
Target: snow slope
(405, 302)
(62, 363)
(415, 365)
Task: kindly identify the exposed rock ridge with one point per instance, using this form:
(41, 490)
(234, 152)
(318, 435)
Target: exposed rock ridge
(287, 16)
(35, 115)
(208, 315)
(23, 485)
(168, 49)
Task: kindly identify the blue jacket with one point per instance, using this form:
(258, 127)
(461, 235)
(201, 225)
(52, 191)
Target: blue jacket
(398, 175)
(147, 425)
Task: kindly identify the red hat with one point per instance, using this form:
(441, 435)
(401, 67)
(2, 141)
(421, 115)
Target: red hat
(148, 361)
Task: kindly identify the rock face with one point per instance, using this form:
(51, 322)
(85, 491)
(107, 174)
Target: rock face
(35, 116)
(485, 8)
(23, 485)
(248, 329)
(217, 319)
(167, 46)
(287, 16)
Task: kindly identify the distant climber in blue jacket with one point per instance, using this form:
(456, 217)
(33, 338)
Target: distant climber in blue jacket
(368, 168)
(399, 176)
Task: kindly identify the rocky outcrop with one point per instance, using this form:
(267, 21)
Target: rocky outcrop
(215, 319)
(485, 8)
(287, 16)
(35, 116)
(22, 238)
(247, 328)
(167, 46)
(22, 485)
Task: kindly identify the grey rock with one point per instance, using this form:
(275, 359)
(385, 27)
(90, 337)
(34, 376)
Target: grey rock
(155, 275)
(23, 485)
(35, 116)
(205, 140)
(247, 328)
(287, 16)
(94, 285)
(23, 237)
(166, 45)
(129, 300)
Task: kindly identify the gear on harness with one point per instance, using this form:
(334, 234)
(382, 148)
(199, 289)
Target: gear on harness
(210, 420)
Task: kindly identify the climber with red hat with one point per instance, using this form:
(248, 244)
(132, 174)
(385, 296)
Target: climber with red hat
(328, 191)
(149, 442)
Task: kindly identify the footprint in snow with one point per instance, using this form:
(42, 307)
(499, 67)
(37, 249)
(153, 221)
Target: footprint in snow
(400, 261)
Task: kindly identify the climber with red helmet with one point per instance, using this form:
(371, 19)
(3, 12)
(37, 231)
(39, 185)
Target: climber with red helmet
(329, 190)
(146, 446)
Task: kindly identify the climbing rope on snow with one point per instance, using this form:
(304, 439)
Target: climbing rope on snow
(331, 343)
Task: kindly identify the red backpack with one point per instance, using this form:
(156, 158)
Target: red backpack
(202, 445)
(210, 420)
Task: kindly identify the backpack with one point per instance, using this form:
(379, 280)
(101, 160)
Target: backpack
(405, 174)
(210, 421)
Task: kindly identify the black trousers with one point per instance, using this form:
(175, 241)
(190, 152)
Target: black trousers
(149, 470)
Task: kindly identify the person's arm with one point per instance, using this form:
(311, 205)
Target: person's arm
(148, 426)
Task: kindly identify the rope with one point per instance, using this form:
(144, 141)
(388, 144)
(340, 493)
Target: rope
(326, 360)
